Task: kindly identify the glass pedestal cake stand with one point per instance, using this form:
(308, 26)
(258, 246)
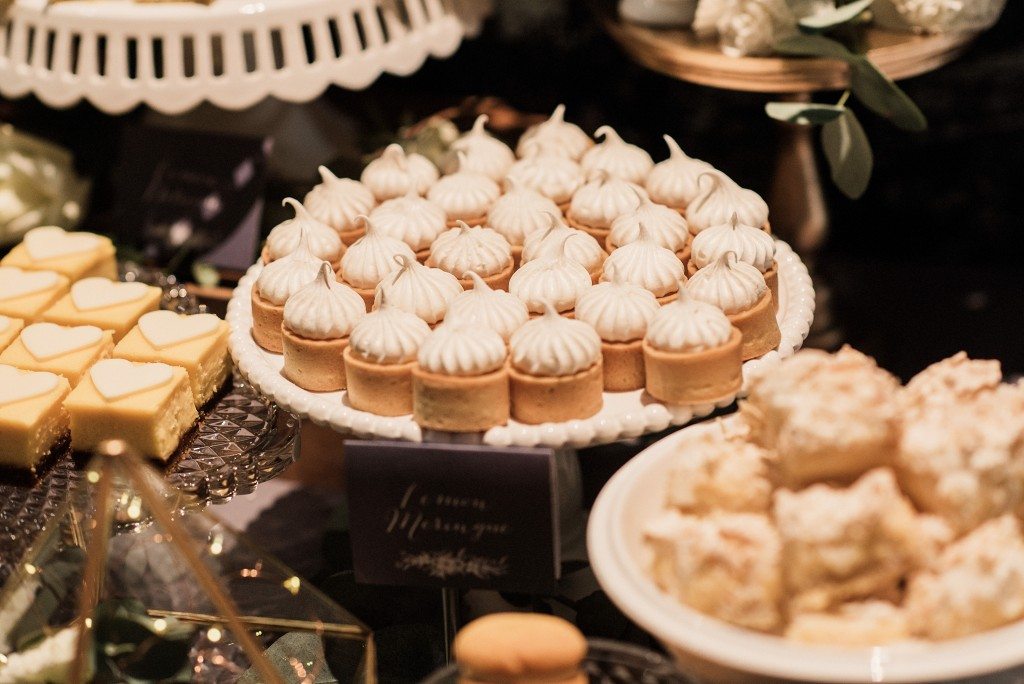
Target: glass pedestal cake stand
(241, 440)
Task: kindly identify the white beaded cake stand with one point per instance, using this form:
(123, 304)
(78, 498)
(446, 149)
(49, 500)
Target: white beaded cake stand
(172, 56)
(625, 414)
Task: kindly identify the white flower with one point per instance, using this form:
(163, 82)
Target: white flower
(48, 661)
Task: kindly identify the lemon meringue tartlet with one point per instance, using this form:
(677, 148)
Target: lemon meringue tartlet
(482, 152)
(323, 241)
(379, 359)
(673, 182)
(370, 259)
(620, 313)
(278, 281)
(552, 175)
(718, 198)
(556, 372)
(554, 279)
(418, 289)
(554, 241)
(617, 158)
(465, 195)
(463, 250)
(337, 202)
(460, 380)
(556, 135)
(413, 219)
(751, 245)
(692, 354)
(646, 263)
(495, 309)
(520, 213)
(395, 172)
(665, 226)
(739, 289)
(600, 201)
(318, 320)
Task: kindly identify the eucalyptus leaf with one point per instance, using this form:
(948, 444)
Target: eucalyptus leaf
(880, 94)
(823, 21)
(812, 45)
(804, 113)
(848, 153)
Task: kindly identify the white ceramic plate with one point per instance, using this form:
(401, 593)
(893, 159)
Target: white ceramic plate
(625, 414)
(717, 651)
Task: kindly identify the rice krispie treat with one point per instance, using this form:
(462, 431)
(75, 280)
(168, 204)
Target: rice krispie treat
(828, 416)
(844, 544)
(719, 471)
(976, 584)
(965, 460)
(950, 381)
(862, 623)
(724, 565)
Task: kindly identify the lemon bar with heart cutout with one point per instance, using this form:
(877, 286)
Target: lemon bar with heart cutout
(148, 405)
(75, 255)
(67, 351)
(32, 415)
(197, 343)
(106, 304)
(9, 330)
(26, 294)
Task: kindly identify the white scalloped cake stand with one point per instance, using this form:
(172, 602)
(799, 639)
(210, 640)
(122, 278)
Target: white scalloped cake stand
(171, 56)
(625, 414)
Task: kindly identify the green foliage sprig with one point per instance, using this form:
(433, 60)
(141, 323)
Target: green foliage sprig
(838, 34)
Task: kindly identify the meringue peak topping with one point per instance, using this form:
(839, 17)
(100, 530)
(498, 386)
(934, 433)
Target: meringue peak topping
(326, 175)
(478, 125)
(301, 213)
(674, 150)
(479, 284)
(395, 153)
(610, 135)
(327, 274)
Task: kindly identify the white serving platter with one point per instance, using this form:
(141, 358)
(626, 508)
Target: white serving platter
(625, 414)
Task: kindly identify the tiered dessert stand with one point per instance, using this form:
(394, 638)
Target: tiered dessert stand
(232, 53)
(799, 213)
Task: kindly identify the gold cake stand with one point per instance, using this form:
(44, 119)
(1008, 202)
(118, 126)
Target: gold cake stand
(799, 213)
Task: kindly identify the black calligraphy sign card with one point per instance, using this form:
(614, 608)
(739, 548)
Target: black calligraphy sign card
(183, 195)
(452, 515)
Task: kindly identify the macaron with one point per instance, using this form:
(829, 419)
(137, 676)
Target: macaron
(518, 648)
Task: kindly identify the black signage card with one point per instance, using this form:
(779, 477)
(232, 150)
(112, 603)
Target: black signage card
(453, 515)
(199, 193)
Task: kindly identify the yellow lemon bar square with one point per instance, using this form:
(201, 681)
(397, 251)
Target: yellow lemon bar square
(75, 255)
(148, 405)
(106, 304)
(197, 343)
(67, 351)
(26, 294)
(9, 330)
(32, 415)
